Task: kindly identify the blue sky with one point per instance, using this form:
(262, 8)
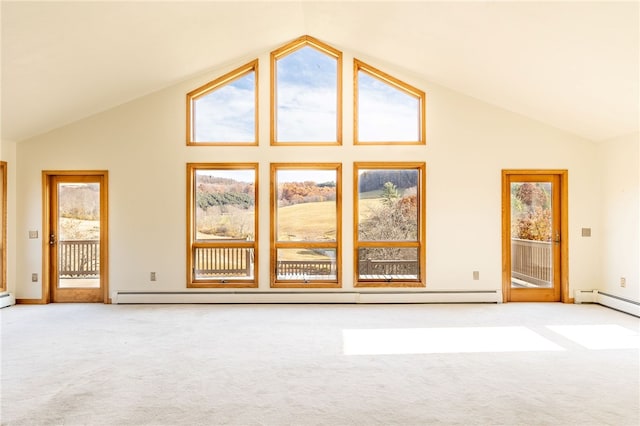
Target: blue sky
(386, 114)
(307, 105)
(307, 97)
(228, 113)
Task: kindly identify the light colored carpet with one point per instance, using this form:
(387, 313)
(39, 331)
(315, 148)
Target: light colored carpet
(511, 364)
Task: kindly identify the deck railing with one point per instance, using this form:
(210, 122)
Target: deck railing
(531, 261)
(238, 261)
(306, 268)
(79, 259)
(223, 261)
(388, 267)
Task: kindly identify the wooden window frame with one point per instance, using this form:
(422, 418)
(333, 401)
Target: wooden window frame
(397, 84)
(212, 86)
(287, 49)
(275, 244)
(420, 244)
(193, 243)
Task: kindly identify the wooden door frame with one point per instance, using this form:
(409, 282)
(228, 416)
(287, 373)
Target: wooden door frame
(3, 218)
(564, 229)
(47, 177)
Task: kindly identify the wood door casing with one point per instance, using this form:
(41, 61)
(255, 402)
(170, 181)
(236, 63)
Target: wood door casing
(560, 290)
(51, 292)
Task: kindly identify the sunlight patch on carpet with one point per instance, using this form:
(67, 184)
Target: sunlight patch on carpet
(599, 336)
(396, 341)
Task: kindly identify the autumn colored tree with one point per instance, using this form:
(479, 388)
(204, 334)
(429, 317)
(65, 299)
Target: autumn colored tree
(531, 212)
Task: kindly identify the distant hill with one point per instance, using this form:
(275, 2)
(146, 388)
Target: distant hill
(375, 179)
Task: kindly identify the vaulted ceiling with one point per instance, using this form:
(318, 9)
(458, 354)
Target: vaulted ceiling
(572, 65)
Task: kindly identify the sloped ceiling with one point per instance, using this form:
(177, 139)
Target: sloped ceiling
(573, 65)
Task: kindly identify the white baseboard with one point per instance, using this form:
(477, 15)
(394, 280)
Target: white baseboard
(7, 299)
(486, 296)
(608, 300)
(585, 296)
(618, 303)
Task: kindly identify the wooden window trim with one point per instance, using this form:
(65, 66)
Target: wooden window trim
(193, 243)
(212, 86)
(287, 49)
(275, 244)
(398, 84)
(420, 244)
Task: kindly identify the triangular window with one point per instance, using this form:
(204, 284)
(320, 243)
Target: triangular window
(388, 111)
(224, 111)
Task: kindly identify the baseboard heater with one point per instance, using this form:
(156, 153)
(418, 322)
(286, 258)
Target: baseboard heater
(609, 300)
(486, 296)
(7, 299)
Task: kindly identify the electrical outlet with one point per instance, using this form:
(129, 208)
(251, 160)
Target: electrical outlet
(34, 277)
(623, 282)
(476, 275)
(33, 234)
(152, 276)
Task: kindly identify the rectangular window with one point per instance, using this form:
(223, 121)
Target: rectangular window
(305, 225)
(222, 225)
(389, 236)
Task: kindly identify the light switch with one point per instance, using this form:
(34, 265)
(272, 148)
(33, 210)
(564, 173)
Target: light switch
(33, 234)
(586, 232)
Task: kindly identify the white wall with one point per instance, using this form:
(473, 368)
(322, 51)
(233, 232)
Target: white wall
(142, 144)
(621, 219)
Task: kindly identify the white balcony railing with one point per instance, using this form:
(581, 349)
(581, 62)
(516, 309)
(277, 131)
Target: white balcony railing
(532, 262)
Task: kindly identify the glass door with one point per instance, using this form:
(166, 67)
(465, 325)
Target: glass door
(533, 237)
(76, 238)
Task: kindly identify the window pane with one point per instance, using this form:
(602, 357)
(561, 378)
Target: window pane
(223, 262)
(385, 113)
(306, 264)
(388, 205)
(388, 263)
(227, 114)
(306, 97)
(306, 205)
(225, 204)
(531, 233)
(78, 247)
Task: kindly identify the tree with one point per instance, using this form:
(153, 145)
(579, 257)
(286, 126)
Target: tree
(531, 217)
(389, 193)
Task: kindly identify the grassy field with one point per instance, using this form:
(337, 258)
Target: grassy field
(307, 222)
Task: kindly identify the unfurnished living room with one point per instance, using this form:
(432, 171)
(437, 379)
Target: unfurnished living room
(320, 213)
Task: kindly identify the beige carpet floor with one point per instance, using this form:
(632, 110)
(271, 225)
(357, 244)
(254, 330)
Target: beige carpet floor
(471, 364)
